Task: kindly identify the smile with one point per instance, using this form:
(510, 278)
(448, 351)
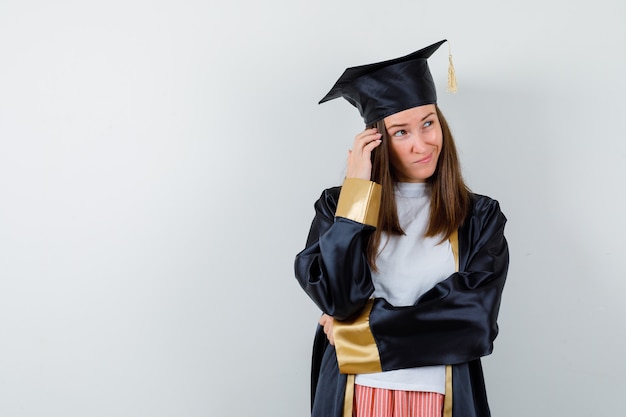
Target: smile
(426, 159)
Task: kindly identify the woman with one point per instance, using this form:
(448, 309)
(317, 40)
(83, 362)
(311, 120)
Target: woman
(406, 264)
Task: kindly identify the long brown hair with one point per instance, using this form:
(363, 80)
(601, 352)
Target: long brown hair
(449, 195)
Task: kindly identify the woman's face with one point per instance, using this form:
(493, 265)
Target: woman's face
(415, 142)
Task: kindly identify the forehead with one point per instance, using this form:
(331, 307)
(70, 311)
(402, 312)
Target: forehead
(408, 115)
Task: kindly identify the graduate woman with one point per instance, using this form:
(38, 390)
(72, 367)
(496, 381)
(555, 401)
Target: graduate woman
(406, 264)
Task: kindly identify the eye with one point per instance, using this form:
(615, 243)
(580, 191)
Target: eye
(428, 123)
(399, 133)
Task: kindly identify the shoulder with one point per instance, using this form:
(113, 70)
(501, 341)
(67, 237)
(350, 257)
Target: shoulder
(485, 210)
(330, 195)
(327, 202)
(332, 192)
(482, 204)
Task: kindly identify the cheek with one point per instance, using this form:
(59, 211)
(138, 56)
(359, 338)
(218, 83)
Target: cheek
(436, 139)
(439, 144)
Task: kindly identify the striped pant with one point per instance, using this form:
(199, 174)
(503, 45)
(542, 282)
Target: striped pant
(380, 402)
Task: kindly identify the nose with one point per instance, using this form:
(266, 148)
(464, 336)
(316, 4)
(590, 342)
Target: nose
(418, 145)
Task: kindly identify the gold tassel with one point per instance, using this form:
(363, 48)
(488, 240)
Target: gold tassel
(451, 75)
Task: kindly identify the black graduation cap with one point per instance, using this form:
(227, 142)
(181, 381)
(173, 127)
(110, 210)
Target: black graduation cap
(384, 88)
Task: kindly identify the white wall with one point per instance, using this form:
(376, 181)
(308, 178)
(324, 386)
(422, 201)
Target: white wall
(159, 161)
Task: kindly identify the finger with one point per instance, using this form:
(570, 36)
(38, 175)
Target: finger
(362, 142)
(366, 135)
(372, 145)
(331, 335)
(367, 132)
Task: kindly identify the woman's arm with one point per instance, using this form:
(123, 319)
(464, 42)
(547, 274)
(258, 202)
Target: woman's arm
(333, 268)
(454, 322)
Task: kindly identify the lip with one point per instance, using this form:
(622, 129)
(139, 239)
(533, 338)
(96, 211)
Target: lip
(426, 159)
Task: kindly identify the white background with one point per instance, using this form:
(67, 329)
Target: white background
(159, 161)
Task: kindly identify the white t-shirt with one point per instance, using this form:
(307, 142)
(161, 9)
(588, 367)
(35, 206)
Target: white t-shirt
(409, 266)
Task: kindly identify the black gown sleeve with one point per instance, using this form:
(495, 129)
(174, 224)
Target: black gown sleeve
(454, 322)
(333, 268)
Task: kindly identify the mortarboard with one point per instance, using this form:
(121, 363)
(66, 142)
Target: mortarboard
(384, 88)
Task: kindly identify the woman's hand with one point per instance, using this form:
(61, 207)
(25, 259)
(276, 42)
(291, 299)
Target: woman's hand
(360, 156)
(326, 321)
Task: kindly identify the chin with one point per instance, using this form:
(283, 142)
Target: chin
(422, 176)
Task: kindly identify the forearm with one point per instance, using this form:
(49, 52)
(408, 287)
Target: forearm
(333, 268)
(454, 322)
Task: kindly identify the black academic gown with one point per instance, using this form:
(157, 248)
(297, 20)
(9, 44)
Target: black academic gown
(452, 324)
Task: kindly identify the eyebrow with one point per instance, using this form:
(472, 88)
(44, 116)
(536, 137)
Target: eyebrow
(404, 124)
